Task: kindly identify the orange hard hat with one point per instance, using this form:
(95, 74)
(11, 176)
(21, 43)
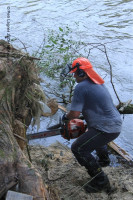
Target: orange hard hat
(86, 66)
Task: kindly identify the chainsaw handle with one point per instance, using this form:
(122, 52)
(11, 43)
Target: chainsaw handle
(64, 128)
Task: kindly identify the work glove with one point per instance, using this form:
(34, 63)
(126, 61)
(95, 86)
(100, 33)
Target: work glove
(64, 125)
(64, 118)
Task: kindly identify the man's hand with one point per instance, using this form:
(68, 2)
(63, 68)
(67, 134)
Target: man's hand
(64, 118)
(72, 114)
(64, 125)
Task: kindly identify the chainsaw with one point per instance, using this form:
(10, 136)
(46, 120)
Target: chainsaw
(68, 130)
(73, 129)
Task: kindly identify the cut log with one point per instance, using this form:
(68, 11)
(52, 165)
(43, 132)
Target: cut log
(120, 151)
(11, 195)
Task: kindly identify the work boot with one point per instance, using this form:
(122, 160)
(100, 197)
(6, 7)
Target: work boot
(99, 179)
(98, 183)
(104, 162)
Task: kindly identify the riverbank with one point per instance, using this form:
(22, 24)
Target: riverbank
(64, 177)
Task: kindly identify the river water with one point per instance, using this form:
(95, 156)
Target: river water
(108, 22)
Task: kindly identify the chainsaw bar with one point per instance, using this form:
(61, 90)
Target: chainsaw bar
(44, 134)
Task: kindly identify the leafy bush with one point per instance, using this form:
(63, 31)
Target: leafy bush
(59, 48)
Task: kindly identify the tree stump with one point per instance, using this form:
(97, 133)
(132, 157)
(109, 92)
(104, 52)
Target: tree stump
(18, 104)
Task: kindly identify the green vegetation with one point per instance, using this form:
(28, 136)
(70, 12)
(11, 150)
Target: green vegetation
(2, 154)
(58, 49)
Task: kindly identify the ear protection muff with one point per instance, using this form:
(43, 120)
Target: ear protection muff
(79, 71)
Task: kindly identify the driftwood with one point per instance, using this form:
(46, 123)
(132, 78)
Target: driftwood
(125, 108)
(120, 151)
(19, 102)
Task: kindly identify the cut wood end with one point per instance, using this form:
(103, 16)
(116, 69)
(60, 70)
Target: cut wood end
(11, 195)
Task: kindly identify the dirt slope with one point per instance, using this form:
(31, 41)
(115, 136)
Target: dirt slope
(65, 177)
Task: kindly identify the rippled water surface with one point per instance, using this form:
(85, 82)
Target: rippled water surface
(108, 21)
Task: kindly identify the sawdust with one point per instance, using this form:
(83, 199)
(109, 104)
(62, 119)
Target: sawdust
(65, 178)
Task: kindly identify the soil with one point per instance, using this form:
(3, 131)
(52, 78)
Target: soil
(65, 178)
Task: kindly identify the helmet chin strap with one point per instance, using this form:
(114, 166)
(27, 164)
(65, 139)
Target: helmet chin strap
(76, 66)
(67, 69)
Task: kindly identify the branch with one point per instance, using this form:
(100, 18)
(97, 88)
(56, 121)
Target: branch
(111, 76)
(16, 55)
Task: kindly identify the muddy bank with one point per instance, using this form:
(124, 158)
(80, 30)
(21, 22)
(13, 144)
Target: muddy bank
(65, 178)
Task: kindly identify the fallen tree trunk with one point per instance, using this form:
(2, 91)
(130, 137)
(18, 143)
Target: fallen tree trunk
(19, 102)
(125, 108)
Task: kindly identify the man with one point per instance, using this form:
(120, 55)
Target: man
(92, 99)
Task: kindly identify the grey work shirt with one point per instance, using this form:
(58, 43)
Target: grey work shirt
(96, 105)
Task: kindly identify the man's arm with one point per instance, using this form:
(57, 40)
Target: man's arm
(73, 114)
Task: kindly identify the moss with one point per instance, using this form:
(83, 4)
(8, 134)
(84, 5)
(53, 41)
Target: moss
(29, 164)
(14, 155)
(2, 75)
(2, 86)
(2, 154)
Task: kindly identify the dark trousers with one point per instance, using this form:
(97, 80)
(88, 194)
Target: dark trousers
(88, 142)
